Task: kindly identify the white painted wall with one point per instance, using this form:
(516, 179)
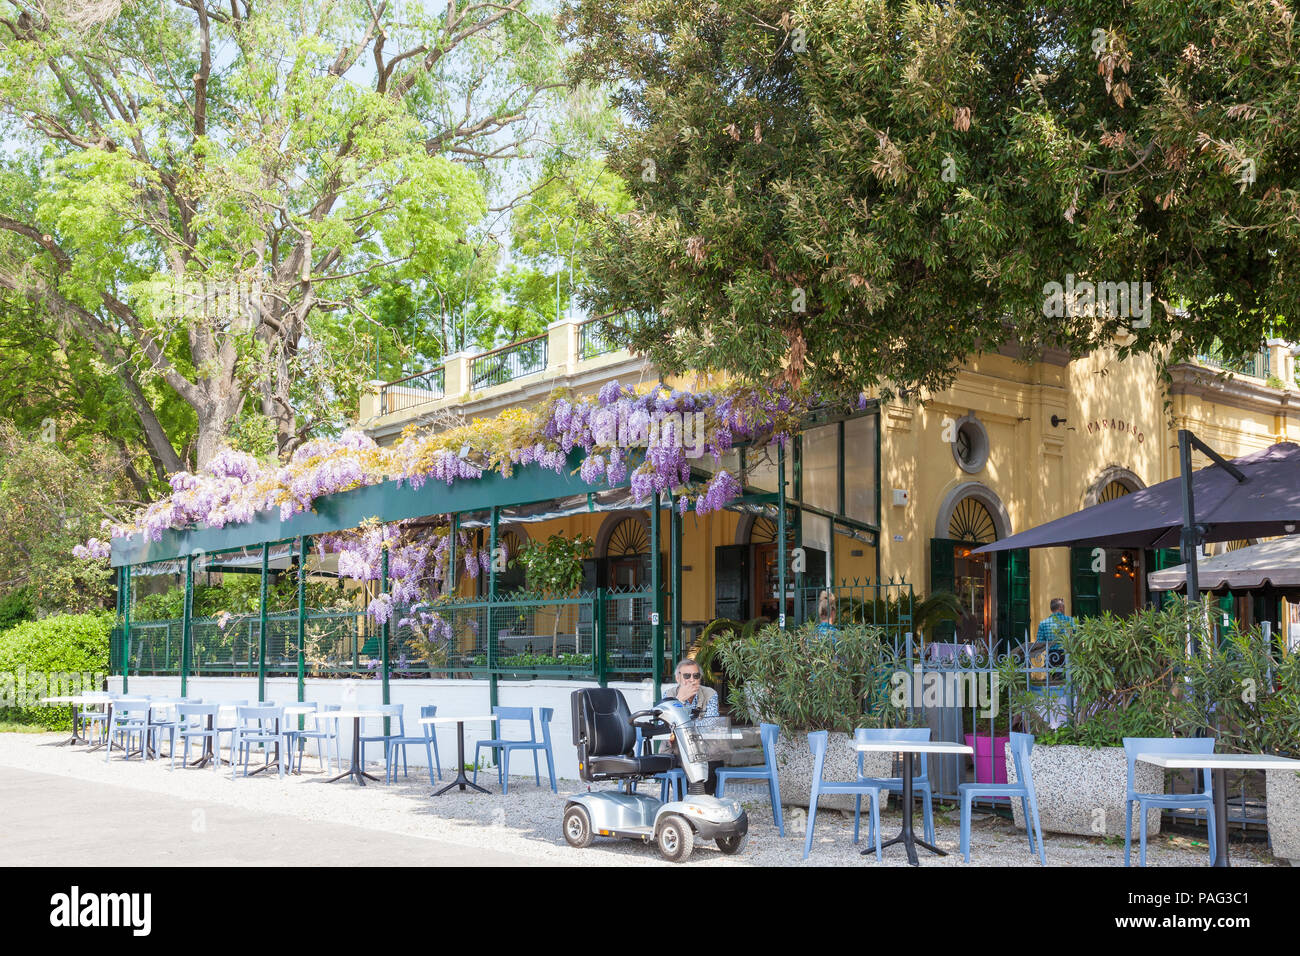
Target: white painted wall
(452, 697)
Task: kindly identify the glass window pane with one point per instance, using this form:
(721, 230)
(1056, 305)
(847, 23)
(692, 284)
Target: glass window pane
(821, 487)
(860, 469)
(762, 467)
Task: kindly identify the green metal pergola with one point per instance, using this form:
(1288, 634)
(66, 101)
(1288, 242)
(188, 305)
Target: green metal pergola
(391, 502)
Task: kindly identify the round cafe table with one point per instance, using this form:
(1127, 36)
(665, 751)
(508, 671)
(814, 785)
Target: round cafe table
(355, 771)
(461, 780)
(72, 700)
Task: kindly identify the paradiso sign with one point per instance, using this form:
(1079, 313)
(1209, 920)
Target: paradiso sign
(1115, 425)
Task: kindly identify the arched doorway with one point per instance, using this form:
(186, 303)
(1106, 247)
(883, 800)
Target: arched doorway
(1112, 579)
(993, 590)
(747, 573)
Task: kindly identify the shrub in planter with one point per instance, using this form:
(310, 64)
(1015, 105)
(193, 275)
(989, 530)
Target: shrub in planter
(1124, 684)
(56, 655)
(802, 681)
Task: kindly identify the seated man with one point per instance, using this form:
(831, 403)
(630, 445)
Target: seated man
(691, 692)
(1052, 629)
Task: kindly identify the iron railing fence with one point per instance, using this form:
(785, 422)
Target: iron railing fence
(1256, 365)
(418, 389)
(508, 363)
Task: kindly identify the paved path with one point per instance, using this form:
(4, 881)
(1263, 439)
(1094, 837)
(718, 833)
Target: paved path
(60, 821)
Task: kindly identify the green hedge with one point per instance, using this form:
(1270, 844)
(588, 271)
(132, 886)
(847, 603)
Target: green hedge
(37, 652)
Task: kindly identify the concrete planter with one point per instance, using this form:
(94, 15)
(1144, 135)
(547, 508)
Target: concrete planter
(794, 766)
(1282, 793)
(1081, 790)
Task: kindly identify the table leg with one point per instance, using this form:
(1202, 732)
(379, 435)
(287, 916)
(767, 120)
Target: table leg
(1220, 780)
(207, 755)
(75, 738)
(461, 780)
(906, 836)
(355, 770)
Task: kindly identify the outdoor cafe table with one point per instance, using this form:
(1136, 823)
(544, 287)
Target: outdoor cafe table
(1220, 764)
(908, 748)
(72, 701)
(290, 710)
(356, 772)
(461, 780)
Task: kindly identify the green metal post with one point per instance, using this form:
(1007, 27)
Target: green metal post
(302, 622)
(383, 628)
(599, 649)
(780, 533)
(126, 625)
(656, 618)
(261, 637)
(187, 614)
(491, 616)
(450, 583)
(675, 570)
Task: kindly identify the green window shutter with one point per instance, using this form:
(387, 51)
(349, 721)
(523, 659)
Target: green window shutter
(1013, 597)
(731, 582)
(1157, 560)
(943, 578)
(1085, 584)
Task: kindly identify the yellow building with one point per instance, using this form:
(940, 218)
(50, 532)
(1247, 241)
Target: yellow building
(1009, 446)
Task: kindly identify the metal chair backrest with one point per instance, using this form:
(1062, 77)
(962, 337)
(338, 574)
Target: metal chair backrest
(195, 716)
(1021, 747)
(254, 721)
(1166, 745)
(889, 735)
(769, 734)
(428, 710)
(520, 714)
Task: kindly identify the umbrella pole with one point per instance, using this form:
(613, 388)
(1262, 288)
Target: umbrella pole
(1185, 439)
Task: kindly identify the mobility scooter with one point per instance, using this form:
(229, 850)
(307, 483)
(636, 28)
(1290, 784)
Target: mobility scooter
(604, 731)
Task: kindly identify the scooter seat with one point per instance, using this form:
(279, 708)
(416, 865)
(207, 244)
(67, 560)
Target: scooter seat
(654, 763)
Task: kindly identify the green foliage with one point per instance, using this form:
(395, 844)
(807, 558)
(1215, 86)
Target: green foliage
(708, 649)
(16, 607)
(527, 661)
(554, 565)
(863, 192)
(239, 594)
(53, 498)
(802, 680)
(59, 644)
(1123, 675)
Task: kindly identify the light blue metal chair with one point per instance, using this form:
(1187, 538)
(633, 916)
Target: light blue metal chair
(259, 725)
(192, 721)
(507, 744)
(323, 729)
(226, 724)
(390, 711)
(428, 739)
(130, 718)
(817, 742)
(163, 719)
(1021, 746)
(1175, 801)
(920, 782)
(769, 733)
(96, 719)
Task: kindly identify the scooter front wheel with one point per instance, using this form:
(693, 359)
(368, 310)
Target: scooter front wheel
(676, 839)
(732, 845)
(577, 826)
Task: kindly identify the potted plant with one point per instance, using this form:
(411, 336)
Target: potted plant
(802, 681)
(1124, 682)
(554, 566)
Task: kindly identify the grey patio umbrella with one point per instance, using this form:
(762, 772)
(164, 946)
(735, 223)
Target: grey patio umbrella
(1264, 503)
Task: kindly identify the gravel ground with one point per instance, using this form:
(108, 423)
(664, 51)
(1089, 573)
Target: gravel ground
(527, 820)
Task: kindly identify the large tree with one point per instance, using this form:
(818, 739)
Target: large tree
(215, 196)
(855, 192)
